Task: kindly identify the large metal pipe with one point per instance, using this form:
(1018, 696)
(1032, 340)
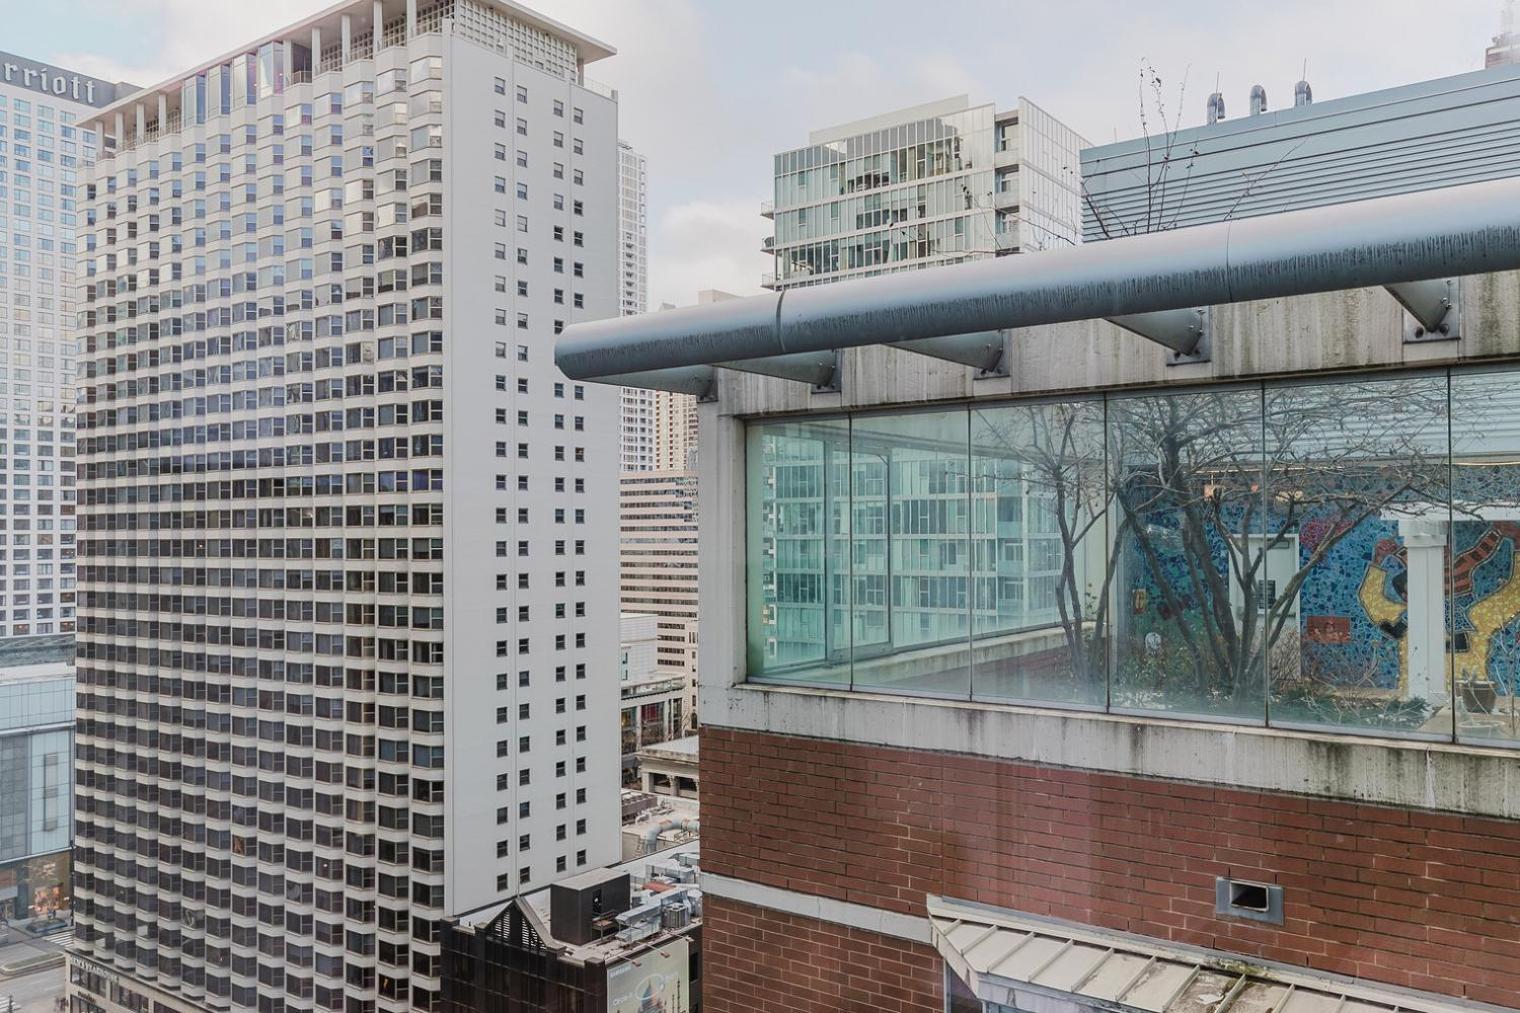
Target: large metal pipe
(1469, 229)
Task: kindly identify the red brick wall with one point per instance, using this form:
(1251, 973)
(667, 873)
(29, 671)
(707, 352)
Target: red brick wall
(1410, 897)
(754, 958)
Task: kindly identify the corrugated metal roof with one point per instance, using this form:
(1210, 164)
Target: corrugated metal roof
(1420, 136)
(1014, 960)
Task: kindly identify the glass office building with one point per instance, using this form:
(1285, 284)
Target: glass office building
(934, 184)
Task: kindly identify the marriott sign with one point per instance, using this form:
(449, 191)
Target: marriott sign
(63, 84)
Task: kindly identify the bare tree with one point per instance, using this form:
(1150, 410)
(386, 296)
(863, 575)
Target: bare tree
(1185, 498)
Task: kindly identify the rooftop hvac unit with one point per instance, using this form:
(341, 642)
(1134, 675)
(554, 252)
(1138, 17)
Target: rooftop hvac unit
(640, 922)
(675, 914)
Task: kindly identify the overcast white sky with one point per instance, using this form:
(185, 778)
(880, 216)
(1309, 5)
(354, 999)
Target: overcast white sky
(711, 89)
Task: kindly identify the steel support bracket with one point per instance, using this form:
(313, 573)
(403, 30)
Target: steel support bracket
(984, 351)
(699, 381)
(819, 370)
(1187, 333)
(1432, 308)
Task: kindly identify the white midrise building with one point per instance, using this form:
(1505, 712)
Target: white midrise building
(348, 640)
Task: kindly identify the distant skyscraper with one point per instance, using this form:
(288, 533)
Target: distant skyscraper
(633, 229)
(638, 417)
(658, 551)
(41, 107)
(920, 187)
(347, 637)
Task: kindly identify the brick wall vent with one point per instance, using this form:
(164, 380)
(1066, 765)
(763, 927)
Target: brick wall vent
(1241, 898)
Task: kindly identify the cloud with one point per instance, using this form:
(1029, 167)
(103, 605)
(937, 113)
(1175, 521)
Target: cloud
(857, 85)
(186, 33)
(707, 244)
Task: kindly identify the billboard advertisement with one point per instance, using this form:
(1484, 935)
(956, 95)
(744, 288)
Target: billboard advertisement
(652, 982)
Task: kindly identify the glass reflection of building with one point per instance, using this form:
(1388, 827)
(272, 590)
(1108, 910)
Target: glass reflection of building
(1312, 554)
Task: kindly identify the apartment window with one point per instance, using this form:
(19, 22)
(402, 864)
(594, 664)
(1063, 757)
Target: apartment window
(501, 152)
(580, 827)
(580, 858)
(522, 93)
(559, 108)
(580, 178)
(559, 139)
(522, 255)
(522, 223)
(522, 353)
(522, 158)
(524, 874)
(580, 115)
(500, 183)
(580, 796)
(501, 86)
(522, 289)
(522, 126)
(522, 321)
(578, 146)
(500, 118)
(522, 191)
(579, 208)
(501, 251)
(559, 170)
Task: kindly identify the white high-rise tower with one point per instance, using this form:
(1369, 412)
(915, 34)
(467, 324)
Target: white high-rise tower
(348, 593)
(638, 421)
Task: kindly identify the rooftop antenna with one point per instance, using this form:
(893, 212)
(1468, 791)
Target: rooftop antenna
(1302, 93)
(1216, 102)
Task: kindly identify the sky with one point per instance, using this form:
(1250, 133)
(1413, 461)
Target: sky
(710, 89)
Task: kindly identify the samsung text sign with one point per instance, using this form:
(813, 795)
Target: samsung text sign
(58, 83)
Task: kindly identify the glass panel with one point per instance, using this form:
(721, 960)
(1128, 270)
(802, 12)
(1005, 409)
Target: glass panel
(1356, 520)
(1187, 553)
(1038, 514)
(910, 473)
(798, 579)
(1484, 583)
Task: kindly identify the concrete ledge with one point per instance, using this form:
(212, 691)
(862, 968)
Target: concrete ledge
(838, 912)
(1457, 778)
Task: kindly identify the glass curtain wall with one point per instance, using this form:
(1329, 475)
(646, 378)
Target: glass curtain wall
(1328, 555)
